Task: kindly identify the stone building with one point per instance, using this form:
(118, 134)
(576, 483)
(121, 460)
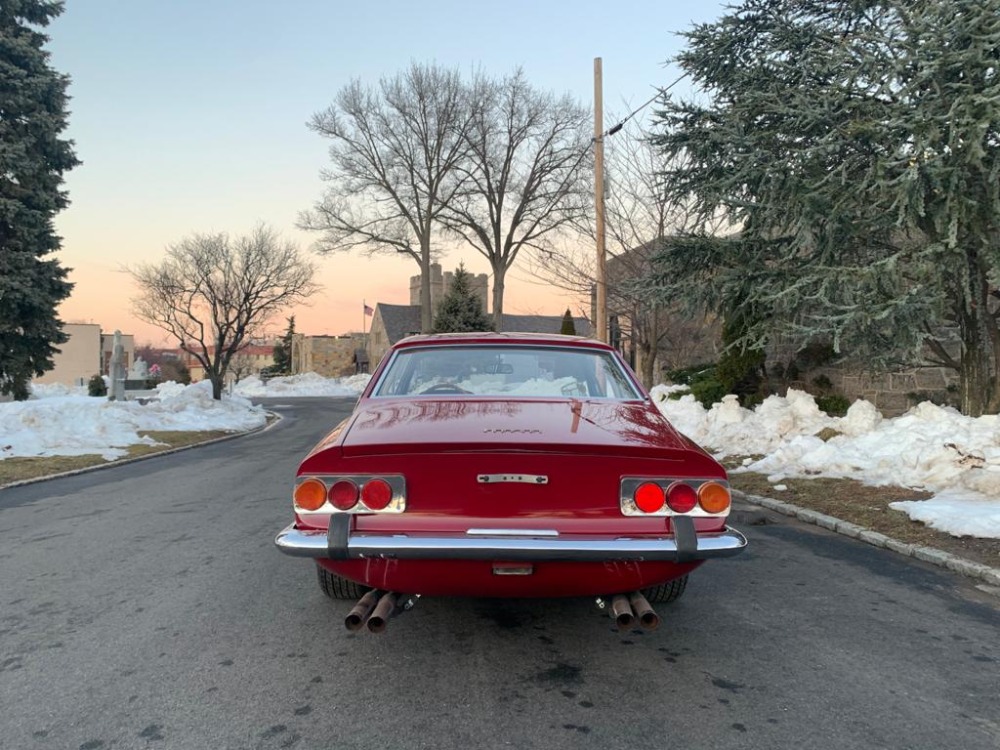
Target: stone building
(441, 283)
(329, 356)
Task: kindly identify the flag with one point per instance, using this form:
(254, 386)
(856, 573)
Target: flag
(369, 310)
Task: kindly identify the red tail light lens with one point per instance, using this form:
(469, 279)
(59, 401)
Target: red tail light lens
(344, 495)
(310, 494)
(681, 498)
(376, 494)
(648, 497)
(713, 498)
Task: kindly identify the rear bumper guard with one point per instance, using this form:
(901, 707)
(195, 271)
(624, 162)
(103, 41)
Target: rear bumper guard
(339, 543)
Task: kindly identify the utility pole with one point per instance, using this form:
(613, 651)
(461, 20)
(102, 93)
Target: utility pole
(601, 313)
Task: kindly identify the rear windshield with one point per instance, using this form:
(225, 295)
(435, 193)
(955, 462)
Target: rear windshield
(506, 371)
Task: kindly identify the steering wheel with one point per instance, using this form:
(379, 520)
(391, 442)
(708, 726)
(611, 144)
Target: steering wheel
(445, 388)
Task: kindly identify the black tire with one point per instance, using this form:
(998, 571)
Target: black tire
(336, 587)
(666, 592)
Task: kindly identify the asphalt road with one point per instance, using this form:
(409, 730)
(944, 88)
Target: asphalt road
(145, 606)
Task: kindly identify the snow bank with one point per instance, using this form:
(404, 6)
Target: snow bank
(78, 425)
(305, 384)
(930, 448)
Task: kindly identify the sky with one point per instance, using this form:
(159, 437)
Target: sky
(951, 455)
(189, 117)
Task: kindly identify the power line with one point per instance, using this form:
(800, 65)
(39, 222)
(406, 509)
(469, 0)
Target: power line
(615, 128)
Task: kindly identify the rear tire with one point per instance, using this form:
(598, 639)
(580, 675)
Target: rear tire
(336, 587)
(666, 592)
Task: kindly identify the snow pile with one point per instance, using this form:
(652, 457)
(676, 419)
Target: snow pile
(79, 425)
(305, 384)
(52, 390)
(729, 429)
(929, 448)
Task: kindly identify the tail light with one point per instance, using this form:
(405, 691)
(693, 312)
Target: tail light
(376, 494)
(671, 496)
(714, 498)
(350, 494)
(310, 494)
(681, 497)
(344, 494)
(648, 497)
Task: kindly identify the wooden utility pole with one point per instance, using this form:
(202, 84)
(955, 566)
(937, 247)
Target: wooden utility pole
(601, 313)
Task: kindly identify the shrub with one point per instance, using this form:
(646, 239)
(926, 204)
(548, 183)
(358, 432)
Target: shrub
(96, 386)
(707, 389)
(835, 405)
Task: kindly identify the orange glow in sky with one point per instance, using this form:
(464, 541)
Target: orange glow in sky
(190, 117)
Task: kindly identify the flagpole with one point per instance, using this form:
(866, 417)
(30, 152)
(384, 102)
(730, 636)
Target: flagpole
(364, 314)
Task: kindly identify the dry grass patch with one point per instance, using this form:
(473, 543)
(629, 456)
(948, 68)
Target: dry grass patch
(20, 469)
(869, 507)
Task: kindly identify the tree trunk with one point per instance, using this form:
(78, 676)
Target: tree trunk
(498, 282)
(216, 386)
(980, 347)
(426, 309)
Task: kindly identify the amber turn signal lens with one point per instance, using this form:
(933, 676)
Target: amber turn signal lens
(648, 497)
(713, 497)
(310, 495)
(681, 498)
(344, 495)
(376, 494)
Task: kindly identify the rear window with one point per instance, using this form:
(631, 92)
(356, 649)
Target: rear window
(505, 371)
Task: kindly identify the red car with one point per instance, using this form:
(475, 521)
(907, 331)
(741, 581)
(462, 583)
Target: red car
(507, 465)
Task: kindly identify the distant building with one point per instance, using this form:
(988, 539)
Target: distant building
(392, 323)
(329, 356)
(249, 360)
(86, 352)
(441, 283)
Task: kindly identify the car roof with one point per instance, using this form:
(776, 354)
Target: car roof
(512, 337)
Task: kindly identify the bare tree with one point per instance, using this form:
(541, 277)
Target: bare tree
(525, 173)
(639, 220)
(213, 293)
(394, 156)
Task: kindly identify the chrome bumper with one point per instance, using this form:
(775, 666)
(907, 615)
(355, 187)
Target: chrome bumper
(339, 544)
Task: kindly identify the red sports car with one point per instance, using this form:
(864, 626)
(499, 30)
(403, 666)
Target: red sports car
(507, 465)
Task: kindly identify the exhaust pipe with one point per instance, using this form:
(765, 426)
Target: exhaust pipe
(383, 611)
(359, 613)
(621, 612)
(645, 614)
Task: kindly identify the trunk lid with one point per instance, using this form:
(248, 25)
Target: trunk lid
(464, 425)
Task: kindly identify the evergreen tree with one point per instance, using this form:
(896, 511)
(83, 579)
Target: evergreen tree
(283, 350)
(568, 326)
(461, 310)
(856, 145)
(32, 162)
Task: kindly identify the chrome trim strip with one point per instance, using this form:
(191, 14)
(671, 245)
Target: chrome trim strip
(512, 532)
(313, 543)
(512, 478)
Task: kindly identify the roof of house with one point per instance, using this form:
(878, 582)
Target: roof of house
(401, 321)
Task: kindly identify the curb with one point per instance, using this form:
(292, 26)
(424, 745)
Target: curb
(926, 554)
(133, 459)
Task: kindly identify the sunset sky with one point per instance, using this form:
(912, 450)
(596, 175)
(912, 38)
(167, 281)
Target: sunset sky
(189, 116)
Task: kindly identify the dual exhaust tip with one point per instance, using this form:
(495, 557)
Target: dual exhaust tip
(625, 610)
(373, 609)
(376, 607)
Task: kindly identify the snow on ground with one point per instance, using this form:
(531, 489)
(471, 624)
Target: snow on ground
(63, 421)
(930, 448)
(306, 384)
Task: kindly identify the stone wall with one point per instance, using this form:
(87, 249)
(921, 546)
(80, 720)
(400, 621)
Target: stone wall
(329, 356)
